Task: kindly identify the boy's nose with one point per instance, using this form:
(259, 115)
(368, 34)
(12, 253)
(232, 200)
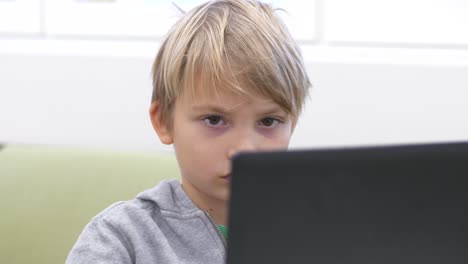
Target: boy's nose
(245, 144)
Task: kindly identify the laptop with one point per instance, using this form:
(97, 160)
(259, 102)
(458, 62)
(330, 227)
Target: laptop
(368, 205)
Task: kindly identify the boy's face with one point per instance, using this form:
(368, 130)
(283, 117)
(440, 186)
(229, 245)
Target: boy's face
(209, 128)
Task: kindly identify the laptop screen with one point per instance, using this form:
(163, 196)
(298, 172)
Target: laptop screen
(392, 204)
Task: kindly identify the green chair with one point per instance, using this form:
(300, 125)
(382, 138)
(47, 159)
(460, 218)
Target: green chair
(49, 194)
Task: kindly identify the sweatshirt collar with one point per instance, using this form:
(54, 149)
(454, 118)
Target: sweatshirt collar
(170, 196)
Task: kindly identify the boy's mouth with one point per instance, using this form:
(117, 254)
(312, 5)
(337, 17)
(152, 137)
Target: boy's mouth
(227, 177)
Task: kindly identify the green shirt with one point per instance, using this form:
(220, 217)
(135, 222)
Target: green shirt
(223, 230)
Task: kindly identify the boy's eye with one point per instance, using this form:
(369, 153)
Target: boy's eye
(213, 120)
(269, 122)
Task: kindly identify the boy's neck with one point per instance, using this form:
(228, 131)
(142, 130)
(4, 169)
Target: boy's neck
(216, 208)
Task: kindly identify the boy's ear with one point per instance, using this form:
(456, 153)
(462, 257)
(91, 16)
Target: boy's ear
(164, 132)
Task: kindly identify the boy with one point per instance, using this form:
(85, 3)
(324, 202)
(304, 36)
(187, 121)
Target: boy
(227, 78)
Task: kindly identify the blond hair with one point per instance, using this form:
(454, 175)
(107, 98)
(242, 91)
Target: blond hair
(239, 44)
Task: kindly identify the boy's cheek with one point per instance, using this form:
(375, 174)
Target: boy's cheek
(207, 151)
(213, 133)
(277, 134)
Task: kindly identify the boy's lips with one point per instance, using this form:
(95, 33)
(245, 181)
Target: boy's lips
(227, 177)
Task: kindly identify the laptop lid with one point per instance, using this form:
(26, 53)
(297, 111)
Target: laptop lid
(392, 204)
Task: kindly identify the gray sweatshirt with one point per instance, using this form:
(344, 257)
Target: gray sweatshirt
(161, 225)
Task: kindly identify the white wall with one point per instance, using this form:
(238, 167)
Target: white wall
(393, 72)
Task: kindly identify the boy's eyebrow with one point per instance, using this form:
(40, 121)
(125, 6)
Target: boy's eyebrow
(210, 107)
(273, 109)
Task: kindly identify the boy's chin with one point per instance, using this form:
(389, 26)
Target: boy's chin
(224, 195)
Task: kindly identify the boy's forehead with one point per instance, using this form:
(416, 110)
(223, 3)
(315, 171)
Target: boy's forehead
(225, 95)
(203, 94)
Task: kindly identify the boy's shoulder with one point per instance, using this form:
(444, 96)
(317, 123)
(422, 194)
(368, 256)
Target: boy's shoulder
(143, 227)
(167, 198)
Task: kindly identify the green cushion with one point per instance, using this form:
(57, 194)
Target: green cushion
(48, 194)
